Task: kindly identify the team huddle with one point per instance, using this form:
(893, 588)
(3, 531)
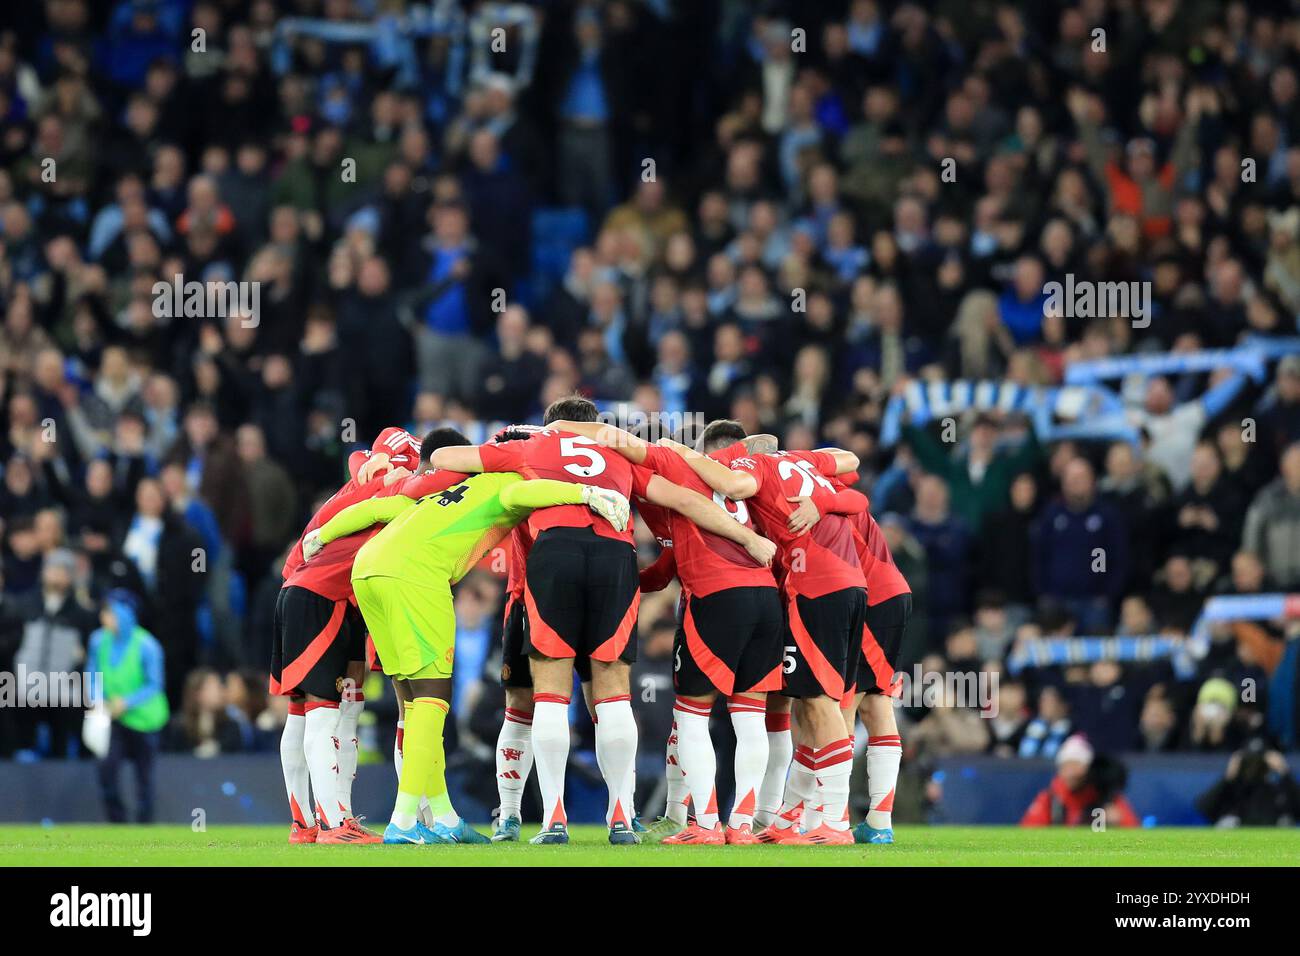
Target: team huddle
(792, 611)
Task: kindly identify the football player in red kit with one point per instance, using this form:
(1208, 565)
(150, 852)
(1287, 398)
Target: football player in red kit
(825, 594)
(581, 593)
(728, 643)
(889, 605)
(318, 656)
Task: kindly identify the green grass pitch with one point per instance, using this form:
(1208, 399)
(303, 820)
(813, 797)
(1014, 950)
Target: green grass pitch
(90, 845)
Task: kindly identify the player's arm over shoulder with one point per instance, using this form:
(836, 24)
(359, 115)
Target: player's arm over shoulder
(522, 496)
(735, 483)
(463, 458)
(699, 509)
(616, 439)
(840, 462)
(362, 515)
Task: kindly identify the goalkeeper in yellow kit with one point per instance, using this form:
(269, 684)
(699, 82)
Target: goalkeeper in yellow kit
(402, 578)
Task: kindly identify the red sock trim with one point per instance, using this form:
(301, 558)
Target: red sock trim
(834, 753)
(833, 746)
(690, 707)
(894, 741)
(613, 700)
(776, 723)
(316, 704)
(550, 699)
(831, 760)
(358, 697)
(519, 716)
(297, 708)
(804, 757)
(746, 705)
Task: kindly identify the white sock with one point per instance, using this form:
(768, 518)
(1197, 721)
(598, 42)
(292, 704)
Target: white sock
(346, 738)
(833, 764)
(800, 790)
(616, 739)
(747, 719)
(884, 754)
(551, 753)
(678, 794)
(514, 760)
(293, 761)
(322, 720)
(424, 815)
(600, 763)
(780, 751)
(699, 764)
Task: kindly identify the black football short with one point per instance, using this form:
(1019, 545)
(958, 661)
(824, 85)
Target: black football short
(729, 642)
(882, 636)
(315, 639)
(824, 644)
(515, 671)
(582, 592)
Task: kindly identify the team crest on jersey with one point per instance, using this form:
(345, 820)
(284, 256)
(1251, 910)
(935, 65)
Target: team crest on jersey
(505, 673)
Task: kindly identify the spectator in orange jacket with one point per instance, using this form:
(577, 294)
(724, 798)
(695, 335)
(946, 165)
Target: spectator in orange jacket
(1076, 793)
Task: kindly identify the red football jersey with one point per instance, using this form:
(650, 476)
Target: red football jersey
(563, 456)
(329, 574)
(821, 560)
(521, 542)
(707, 563)
(884, 580)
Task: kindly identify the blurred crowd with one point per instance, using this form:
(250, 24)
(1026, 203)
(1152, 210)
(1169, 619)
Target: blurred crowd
(779, 212)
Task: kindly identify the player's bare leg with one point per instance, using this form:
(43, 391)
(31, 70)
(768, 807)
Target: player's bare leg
(552, 684)
(699, 764)
(616, 739)
(780, 751)
(884, 754)
(748, 720)
(297, 777)
(514, 761)
(832, 762)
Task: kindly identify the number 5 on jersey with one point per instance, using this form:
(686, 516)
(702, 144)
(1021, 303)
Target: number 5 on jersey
(575, 446)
